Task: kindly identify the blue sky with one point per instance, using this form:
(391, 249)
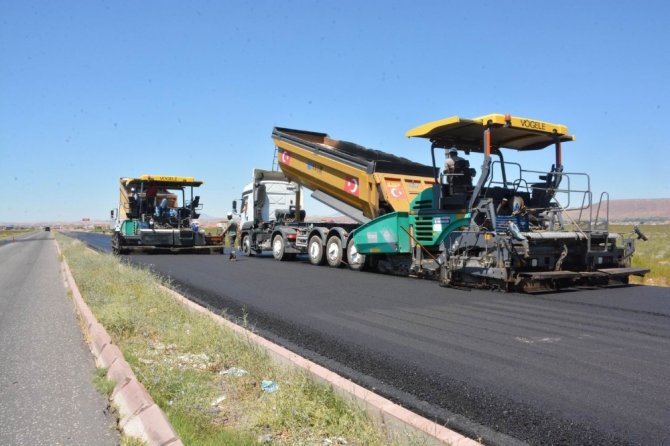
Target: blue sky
(96, 90)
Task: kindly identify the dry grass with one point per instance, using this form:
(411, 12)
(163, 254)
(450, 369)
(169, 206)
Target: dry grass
(653, 254)
(9, 233)
(181, 358)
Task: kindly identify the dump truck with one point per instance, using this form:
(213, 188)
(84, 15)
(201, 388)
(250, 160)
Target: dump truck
(511, 229)
(360, 183)
(159, 213)
(371, 187)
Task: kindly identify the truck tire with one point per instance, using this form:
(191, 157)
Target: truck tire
(246, 246)
(354, 258)
(116, 244)
(315, 251)
(279, 248)
(334, 251)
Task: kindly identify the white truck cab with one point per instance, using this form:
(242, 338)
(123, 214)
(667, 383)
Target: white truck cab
(264, 200)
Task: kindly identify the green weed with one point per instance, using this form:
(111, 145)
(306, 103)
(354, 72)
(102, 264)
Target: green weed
(102, 384)
(181, 358)
(131, 441)
(653, 254)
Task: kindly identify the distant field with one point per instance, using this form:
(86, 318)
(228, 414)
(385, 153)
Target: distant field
(653, 254)
(8, 233)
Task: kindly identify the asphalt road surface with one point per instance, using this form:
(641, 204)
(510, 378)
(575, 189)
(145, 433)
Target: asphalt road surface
(46, 392)
(582, 367)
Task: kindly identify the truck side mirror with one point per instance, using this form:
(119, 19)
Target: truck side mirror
(235, 206)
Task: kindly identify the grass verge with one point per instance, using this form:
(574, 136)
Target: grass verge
(208, 380)
(653, 254)
(9, 233)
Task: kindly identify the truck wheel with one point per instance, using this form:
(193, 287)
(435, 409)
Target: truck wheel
(279, 248)
(246, 246)
(334, 251)
(315, 251)
(356, 260)
(116, 249)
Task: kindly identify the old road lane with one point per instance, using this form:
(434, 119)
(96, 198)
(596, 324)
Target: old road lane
(46, 392)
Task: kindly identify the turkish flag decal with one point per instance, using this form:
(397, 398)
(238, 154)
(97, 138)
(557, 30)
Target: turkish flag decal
(284, 157)
(396, 191)
(351, 186)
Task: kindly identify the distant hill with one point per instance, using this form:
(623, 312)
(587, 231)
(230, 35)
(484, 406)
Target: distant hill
(647, 210)
(643, 210)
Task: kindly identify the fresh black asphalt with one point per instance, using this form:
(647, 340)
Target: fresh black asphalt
(581, 367)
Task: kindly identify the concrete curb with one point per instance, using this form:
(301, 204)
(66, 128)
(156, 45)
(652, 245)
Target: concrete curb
(139, 416)
(392, 416)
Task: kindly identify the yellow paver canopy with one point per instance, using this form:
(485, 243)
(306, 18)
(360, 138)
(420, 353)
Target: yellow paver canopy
(507, 132)
(163, 180)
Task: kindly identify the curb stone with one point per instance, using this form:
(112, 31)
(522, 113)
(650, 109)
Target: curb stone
(152, 425)
(394, 417)
(140, 416)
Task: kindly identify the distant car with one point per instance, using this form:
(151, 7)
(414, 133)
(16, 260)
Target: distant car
(47, 228)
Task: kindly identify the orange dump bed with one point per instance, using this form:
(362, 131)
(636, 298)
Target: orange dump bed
(371, 181)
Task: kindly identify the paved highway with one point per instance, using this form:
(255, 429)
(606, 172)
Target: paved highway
(583, 367)
(46, 391)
